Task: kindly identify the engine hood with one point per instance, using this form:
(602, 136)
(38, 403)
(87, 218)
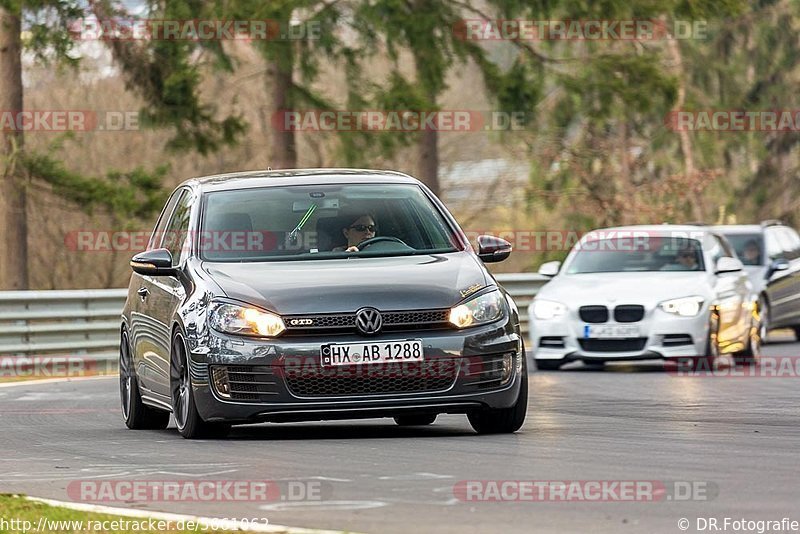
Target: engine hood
(345, 285)
(644, 288)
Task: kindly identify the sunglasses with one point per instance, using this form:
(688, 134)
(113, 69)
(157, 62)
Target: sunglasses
(363, 227)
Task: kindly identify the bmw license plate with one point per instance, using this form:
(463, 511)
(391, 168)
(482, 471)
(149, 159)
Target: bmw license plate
(610, 331)
(335, 354)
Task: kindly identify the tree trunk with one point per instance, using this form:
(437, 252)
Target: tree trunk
(13, 210)
(428, 165)
(284, 149)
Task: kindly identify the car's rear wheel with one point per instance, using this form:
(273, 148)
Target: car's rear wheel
(415, 420)
(138, 416)
(504, 420)
(187, 419)
(547, 365)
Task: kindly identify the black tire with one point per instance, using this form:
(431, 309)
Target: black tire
(752, 352)
(187, 419)
(706, 362)
(415, 420)
(137, 415)
(796, 332)
(763, 320)
(504, 420)
(547, 365)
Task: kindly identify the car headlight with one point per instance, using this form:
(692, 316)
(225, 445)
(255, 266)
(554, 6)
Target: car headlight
(479, 310)
(685, 306)
(233, 319)
(548, 309)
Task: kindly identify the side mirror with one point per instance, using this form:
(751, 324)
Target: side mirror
(728, 265)
(778, 264)
(156, 262)
(493, 249)
(550, 268)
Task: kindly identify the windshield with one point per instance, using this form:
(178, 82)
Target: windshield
(321, 221)
(748, 247)
(660, 254)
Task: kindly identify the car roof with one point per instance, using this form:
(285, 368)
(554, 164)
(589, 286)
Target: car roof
(656, 229)
(271, 178)
(739, 228)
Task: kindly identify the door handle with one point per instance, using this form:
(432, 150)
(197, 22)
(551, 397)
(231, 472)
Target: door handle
(143, 292)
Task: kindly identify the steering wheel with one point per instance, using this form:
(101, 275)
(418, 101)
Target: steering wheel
(379, 239)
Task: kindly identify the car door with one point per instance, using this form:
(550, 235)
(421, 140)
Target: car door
(779, 287)
(791, 300)
(167, 292)
(143, 336)
(733, 292)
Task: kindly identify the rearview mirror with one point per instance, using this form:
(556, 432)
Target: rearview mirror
(728, 265)
(550, 268)
(156, 262)
(493, 249)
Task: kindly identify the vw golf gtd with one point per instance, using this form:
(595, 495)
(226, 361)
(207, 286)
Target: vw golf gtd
(314, 295)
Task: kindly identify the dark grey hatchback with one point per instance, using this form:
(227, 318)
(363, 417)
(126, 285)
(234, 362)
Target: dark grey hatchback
(313, 295)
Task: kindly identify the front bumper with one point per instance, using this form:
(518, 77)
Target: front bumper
(279, 364)
(661, 336)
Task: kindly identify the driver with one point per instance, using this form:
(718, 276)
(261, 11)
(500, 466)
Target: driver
(360, 228)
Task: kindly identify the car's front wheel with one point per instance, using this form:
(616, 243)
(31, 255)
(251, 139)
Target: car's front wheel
(752, 350)
(187, 419)
(504, 420)
(138, 416)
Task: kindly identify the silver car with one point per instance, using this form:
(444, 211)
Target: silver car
(645, 292)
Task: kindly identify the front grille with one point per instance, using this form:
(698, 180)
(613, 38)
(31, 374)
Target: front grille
(593, 314)
(613, 345)
(254, 383)
(553, 342)
(676, 340)
(345, 323)
(412, 377)
(628, 313)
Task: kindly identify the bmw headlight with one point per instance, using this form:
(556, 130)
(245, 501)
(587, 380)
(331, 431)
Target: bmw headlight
(548, 309)
(479, 310)
(685, 306)
(233, 319)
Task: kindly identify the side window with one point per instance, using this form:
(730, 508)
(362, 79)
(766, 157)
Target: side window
(791, 243)
(725, 249)
(176, 233)
(158, 234)
(774, 247)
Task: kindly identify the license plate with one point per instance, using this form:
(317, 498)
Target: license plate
(336, 354)
(610, 331)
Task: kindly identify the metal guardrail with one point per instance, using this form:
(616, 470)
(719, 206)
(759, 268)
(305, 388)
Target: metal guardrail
(86, 322)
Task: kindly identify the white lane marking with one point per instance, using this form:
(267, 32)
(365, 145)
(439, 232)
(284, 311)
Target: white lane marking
(322, 505)
(226, 525)
(56, 380)
(330, 478)
(415, 476)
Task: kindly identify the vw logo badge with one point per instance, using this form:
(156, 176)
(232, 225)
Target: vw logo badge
(368, 320)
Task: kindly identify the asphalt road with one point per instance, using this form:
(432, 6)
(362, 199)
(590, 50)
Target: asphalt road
(734, 439)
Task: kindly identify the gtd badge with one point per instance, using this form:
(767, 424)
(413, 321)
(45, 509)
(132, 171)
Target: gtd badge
(301, 322)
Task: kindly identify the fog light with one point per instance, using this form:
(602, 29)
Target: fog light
(219, 375)
(508, 367)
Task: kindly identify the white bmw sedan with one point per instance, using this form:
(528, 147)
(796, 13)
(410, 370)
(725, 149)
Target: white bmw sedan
(645, 292)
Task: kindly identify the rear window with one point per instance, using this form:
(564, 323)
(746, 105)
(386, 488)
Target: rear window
(317, 222)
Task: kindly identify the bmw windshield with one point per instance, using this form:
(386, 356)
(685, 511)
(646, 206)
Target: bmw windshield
(321, 221)
(653, 254)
